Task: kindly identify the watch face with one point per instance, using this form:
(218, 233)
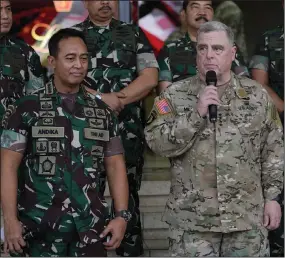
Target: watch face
(126, 215)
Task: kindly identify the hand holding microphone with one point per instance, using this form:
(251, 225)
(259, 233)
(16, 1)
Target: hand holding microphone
(209, 98)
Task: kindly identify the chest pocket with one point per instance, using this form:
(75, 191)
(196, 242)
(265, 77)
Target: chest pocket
(183, 62)
(12, 89)
(125, 47)
(14, 64)
(247, 118)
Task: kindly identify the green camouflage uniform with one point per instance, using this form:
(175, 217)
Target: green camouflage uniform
(20, 71)
(61, 205)
(269, 57)
(177, 60)
(175, 35)
(118, 53)
(222, 174)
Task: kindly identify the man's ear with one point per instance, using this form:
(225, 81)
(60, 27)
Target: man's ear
(234, 51)
(51, 61)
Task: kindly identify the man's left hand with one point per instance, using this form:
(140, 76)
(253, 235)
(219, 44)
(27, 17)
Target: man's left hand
(117, 228)
(272, 215)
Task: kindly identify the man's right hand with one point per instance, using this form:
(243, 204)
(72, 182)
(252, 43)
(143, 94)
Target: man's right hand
(13, 231)
(209, 96)
(113, 101)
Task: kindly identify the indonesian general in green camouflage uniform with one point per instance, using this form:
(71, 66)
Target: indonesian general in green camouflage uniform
(20, 69)
(269, 57)
(63, 161)
(225, 175)
(119, 53)
(64, 140)
(177, 60)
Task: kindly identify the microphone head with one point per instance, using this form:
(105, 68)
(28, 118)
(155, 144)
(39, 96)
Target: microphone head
(211, 77)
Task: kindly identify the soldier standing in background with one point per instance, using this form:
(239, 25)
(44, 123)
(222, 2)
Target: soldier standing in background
(225, 175)
(180, 32)
(62, 139)
(229, 13)
(123, 70)
(267, 67)
(20, 69)
(177, 60)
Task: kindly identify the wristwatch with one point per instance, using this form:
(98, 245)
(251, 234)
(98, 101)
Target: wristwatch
(98, 95)
(125, 214)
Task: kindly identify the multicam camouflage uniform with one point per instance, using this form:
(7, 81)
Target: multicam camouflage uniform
(118, 53)
(222, 174)
(61, 206)
(20, 71)
(177, 60)
(269, 57)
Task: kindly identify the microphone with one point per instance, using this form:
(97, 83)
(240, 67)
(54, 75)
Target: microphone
(211, 79)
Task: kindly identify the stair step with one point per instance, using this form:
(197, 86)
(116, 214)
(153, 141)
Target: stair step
(156, 244)
(153, 221)
(150, 234)
(159, 253)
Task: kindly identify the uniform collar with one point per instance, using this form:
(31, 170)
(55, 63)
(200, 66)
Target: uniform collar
(88, 24)
(51, 91)
(234, 88)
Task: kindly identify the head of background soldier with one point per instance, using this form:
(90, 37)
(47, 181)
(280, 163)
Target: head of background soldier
(6, 18)
(197, 12)
(215, 50)
(101, 12)
(68, 57)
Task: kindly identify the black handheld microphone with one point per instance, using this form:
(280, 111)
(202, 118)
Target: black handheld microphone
(211, 79)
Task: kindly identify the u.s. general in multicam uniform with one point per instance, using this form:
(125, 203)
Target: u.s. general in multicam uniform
(221, 177)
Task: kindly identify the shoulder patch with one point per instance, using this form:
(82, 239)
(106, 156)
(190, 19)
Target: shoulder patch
(163, 107)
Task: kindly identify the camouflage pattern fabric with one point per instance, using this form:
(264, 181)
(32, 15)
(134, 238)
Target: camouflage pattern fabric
(175, 35)
(177, 60)
(251, 243)
(63, 161)
(222, 173)
(63, 243)
(118, 53)
(20, 71)
(269, 57)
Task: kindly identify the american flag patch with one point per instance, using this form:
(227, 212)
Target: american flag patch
(163, 107)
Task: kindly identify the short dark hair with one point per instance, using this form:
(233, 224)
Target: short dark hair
(185, 4)
(60, 35)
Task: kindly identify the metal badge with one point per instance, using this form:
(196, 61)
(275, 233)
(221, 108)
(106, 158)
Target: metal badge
(96, 134)
(100, 113)
(46, 105)
(47, 121)
(43, 97)
(49, 88)
(97, 151)
(54, 146)
(95, 163)
(96, 123)
(47, 132)
(47, 165)
(41, 147)
(89, 112)
(47, 113)
(92, 103)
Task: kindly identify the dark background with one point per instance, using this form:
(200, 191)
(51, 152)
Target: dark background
(259, 15)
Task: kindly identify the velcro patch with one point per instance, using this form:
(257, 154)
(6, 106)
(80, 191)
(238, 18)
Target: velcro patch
(163, 107)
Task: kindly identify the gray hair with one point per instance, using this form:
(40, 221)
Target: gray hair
(217, 26)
